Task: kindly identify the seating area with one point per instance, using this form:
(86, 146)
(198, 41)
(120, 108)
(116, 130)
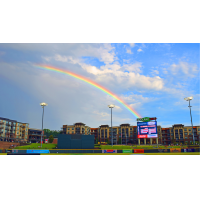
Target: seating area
(7, 145)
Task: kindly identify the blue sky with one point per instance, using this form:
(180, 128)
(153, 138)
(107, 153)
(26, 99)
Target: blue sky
(153, 79)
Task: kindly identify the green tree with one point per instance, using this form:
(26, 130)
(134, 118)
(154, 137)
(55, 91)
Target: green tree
(119, 141)
(107, 141)
(47, 132)
(51, 138)
(97, 140)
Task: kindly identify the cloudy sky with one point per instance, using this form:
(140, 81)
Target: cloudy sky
(153, 79)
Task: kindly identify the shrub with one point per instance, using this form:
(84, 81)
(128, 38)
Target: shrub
(51, 138)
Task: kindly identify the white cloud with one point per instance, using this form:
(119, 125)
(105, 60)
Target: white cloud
(155, 72)
(47, 58)
(116, 76)
(68, 59)
(135, 67)
(165, 71)
(104, 52)
(136, 105)
(129, 51)
(139, 50)
(185, 68)
(132, 44)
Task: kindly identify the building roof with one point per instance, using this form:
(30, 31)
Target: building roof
(79, 123)
(125, 125)
(35, 129)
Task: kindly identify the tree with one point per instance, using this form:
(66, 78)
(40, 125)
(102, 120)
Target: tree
(97, 140)
(119, 141)
(108, 142)
(51, 138)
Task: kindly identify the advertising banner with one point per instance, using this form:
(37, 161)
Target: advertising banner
(138, 150)
(175, 150)
(109, 151)
(147, 129)
(14, 150)
(37, 151)
(188, 150)
(142, 136)
(163, 150)
(152, 136)
(127, 150)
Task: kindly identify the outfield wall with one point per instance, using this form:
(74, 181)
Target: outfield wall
(43, 151)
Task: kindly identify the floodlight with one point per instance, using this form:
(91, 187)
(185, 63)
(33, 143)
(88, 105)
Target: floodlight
(111, 106)
(43, 104)
(188, 98)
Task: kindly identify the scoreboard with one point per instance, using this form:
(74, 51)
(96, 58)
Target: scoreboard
(147, 129)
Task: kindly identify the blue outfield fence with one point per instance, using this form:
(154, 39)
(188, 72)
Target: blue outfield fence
(37, 151)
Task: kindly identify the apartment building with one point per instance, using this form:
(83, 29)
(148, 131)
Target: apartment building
(94, 131)
(34, 135)
(77, 128)
(127, 134)
(12, 130)
(179, 133)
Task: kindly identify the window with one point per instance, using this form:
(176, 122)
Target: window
(131, 129)
(189, 129)
(185, 133)
(26, 137)
(68, 132)
(186, 138)
(72, 128)
(185, 129)
(190, 133)
(17, 128)
(72, 131)
(198, 129)
(68, 129)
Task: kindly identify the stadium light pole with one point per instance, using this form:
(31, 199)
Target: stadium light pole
(189, 99)
(42, 104)
(111, 106)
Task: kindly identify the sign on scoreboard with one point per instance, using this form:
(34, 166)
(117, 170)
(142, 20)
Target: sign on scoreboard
(147, 129)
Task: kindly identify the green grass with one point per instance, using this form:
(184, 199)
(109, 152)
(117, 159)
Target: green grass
(37, 146)
(137, 147)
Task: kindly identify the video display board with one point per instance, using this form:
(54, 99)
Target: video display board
(147, 129)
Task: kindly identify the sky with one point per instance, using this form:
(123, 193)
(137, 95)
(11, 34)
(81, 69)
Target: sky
(152, 78)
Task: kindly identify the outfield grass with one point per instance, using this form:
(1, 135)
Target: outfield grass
(37, 146)
(138, 147)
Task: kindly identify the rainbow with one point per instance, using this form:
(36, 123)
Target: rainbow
(51, 68)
